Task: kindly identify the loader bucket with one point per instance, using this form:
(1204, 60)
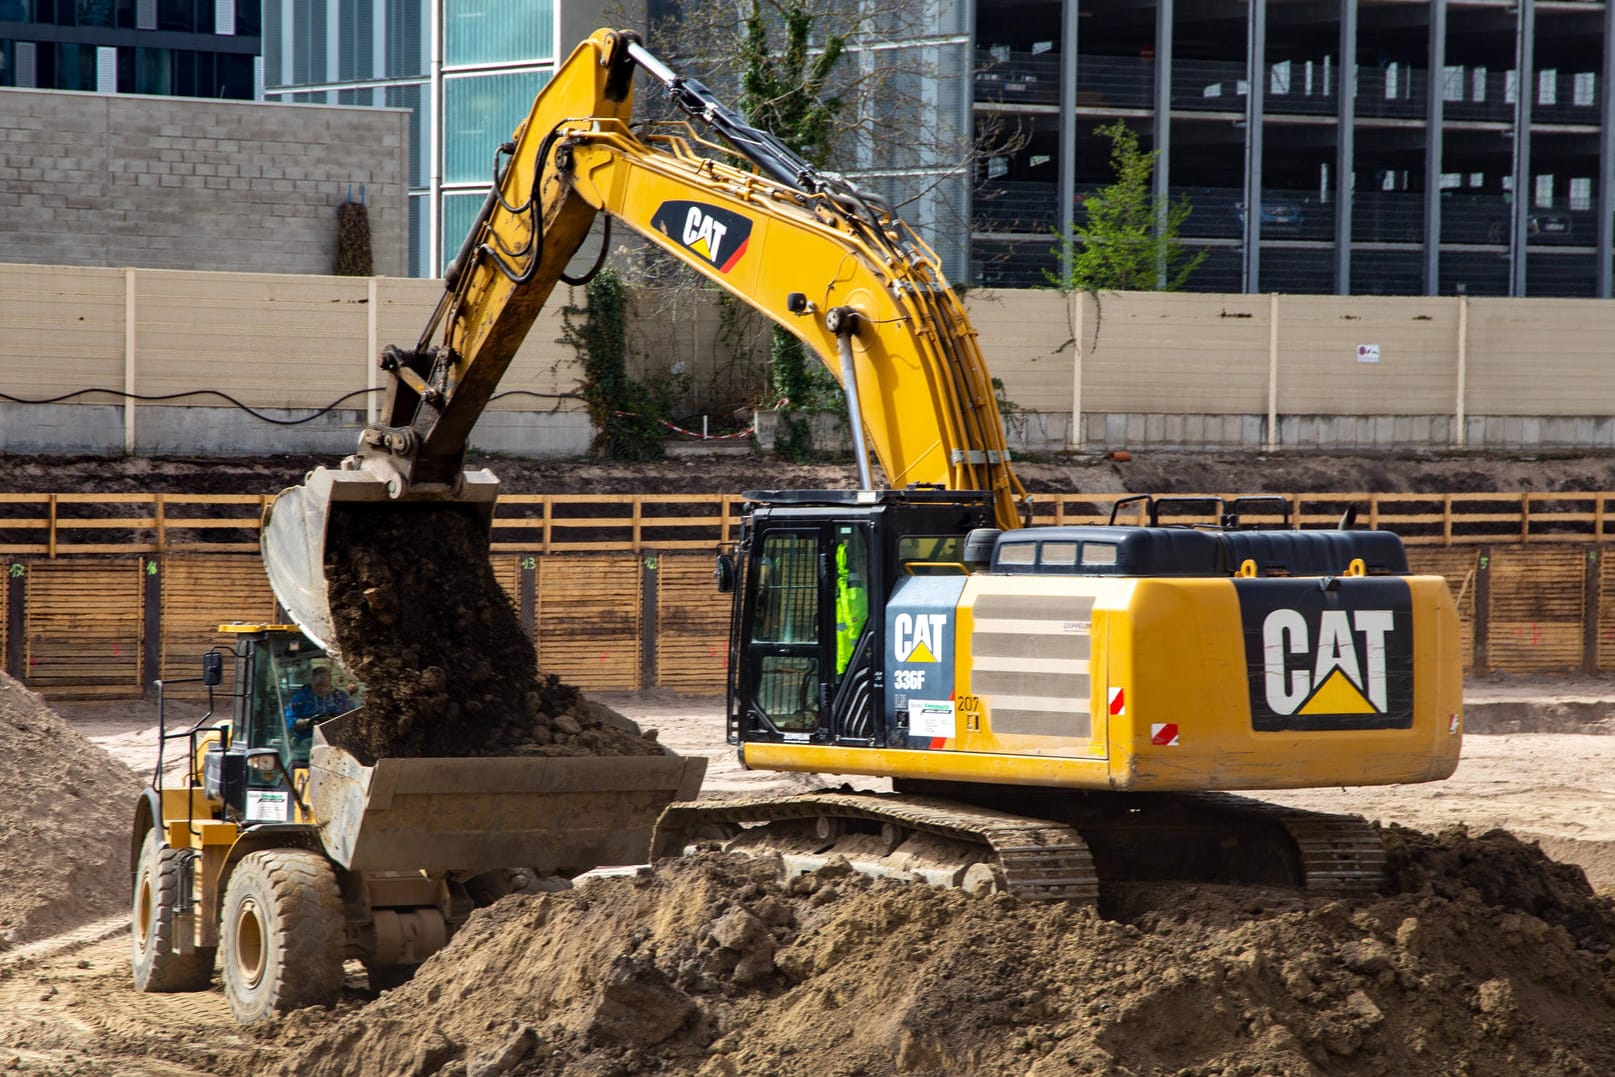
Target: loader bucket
(293, 536)
(564, 814)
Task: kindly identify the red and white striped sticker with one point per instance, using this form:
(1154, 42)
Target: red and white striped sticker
(1164, 734)
(1118, 702)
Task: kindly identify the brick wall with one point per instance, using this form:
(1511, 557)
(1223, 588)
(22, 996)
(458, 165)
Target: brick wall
(177, 183)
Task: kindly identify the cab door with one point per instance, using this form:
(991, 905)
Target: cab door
(785, 650)
(807, 656)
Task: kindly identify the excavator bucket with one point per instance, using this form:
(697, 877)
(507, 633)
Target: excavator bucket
(295, 525)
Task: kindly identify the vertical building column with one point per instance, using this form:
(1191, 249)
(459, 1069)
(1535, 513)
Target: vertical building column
(1524, 94)
(1163, 124)
(433, 245)
(1345, 143)
(288, 53)
(1255, 85)
(1068, 130)
(1434, 115)
(964, 246)
(1606, 158)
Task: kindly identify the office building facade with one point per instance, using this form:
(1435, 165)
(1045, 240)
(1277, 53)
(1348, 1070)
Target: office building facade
(467, 70)
(1465, 148)
(183, 48)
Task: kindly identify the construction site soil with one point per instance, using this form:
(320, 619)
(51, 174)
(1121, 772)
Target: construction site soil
(1481, 955)
(422, 621)
(1151, 472)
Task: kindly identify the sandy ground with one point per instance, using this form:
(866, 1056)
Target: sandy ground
(67, 1005)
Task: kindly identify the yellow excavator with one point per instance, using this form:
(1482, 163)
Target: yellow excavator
(1053, 705)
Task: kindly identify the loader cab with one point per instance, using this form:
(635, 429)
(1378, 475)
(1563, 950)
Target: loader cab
(272, 664)
(275, 664)
(815, 569)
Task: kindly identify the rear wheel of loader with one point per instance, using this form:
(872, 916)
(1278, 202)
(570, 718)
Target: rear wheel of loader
(281, 944)
(154, 927)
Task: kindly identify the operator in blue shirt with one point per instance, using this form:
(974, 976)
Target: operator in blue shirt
(315, 700)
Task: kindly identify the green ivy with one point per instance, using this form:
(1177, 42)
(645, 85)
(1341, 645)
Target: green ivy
(627, 414)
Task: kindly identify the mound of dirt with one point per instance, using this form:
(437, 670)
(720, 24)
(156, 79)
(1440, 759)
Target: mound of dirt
(65, 812)
(1483, 958)
(421, 619)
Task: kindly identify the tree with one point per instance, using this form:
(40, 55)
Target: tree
(784, 94)
(852, 87)
(1130, 239)
(626, 412)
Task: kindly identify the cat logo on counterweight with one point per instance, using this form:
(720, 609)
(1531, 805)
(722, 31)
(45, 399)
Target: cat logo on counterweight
(1336, 659)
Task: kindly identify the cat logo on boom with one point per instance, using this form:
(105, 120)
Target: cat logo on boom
(1337, 659)
(712, 232)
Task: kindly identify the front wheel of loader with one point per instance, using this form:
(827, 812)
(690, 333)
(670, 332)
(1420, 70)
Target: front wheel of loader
(280, 942)
(155, 926)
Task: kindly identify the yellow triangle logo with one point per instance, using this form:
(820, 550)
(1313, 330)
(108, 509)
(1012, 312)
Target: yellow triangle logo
(1337, 695)
(702, 247)
(920, 653)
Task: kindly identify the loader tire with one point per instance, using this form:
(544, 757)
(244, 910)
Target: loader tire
(281, 937)
(158, 966)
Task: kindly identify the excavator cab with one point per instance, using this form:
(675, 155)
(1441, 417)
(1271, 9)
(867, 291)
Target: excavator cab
(817, 567)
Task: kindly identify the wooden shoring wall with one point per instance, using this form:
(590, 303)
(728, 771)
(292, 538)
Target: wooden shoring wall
(198, 595)
(1459, 566)
(692, 626)
(98, 626)
(84, 627)
(1535, 616)
(1604, 626)
(590, 629)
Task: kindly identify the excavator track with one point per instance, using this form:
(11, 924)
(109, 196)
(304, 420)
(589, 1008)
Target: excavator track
(1341, 855)
(1056, 849)
(1033, 858)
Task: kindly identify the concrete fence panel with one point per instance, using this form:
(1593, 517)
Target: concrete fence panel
(1174, 353)
(1356, 355)
(1094, 371)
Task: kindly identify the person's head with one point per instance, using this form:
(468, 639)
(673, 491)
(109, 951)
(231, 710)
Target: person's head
(320, 681)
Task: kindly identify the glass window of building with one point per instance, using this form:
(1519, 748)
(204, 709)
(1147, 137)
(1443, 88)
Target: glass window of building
(479, 113)
(496, 31)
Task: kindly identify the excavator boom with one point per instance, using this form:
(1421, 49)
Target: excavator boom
(807, 248)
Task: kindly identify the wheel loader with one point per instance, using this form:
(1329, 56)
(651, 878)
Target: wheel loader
(1054, 706)
(280, 860)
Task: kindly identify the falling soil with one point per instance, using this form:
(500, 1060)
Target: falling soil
(65, 812)
(421, 619)
(1482, 957)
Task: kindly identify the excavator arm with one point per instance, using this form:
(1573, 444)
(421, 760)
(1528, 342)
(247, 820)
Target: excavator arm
(803, 246)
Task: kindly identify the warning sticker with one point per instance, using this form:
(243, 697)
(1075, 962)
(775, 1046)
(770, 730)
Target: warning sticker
(1164, 734)
(267, 805)
(930, 718)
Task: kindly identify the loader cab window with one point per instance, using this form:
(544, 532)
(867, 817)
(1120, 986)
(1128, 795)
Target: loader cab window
(284, 664)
